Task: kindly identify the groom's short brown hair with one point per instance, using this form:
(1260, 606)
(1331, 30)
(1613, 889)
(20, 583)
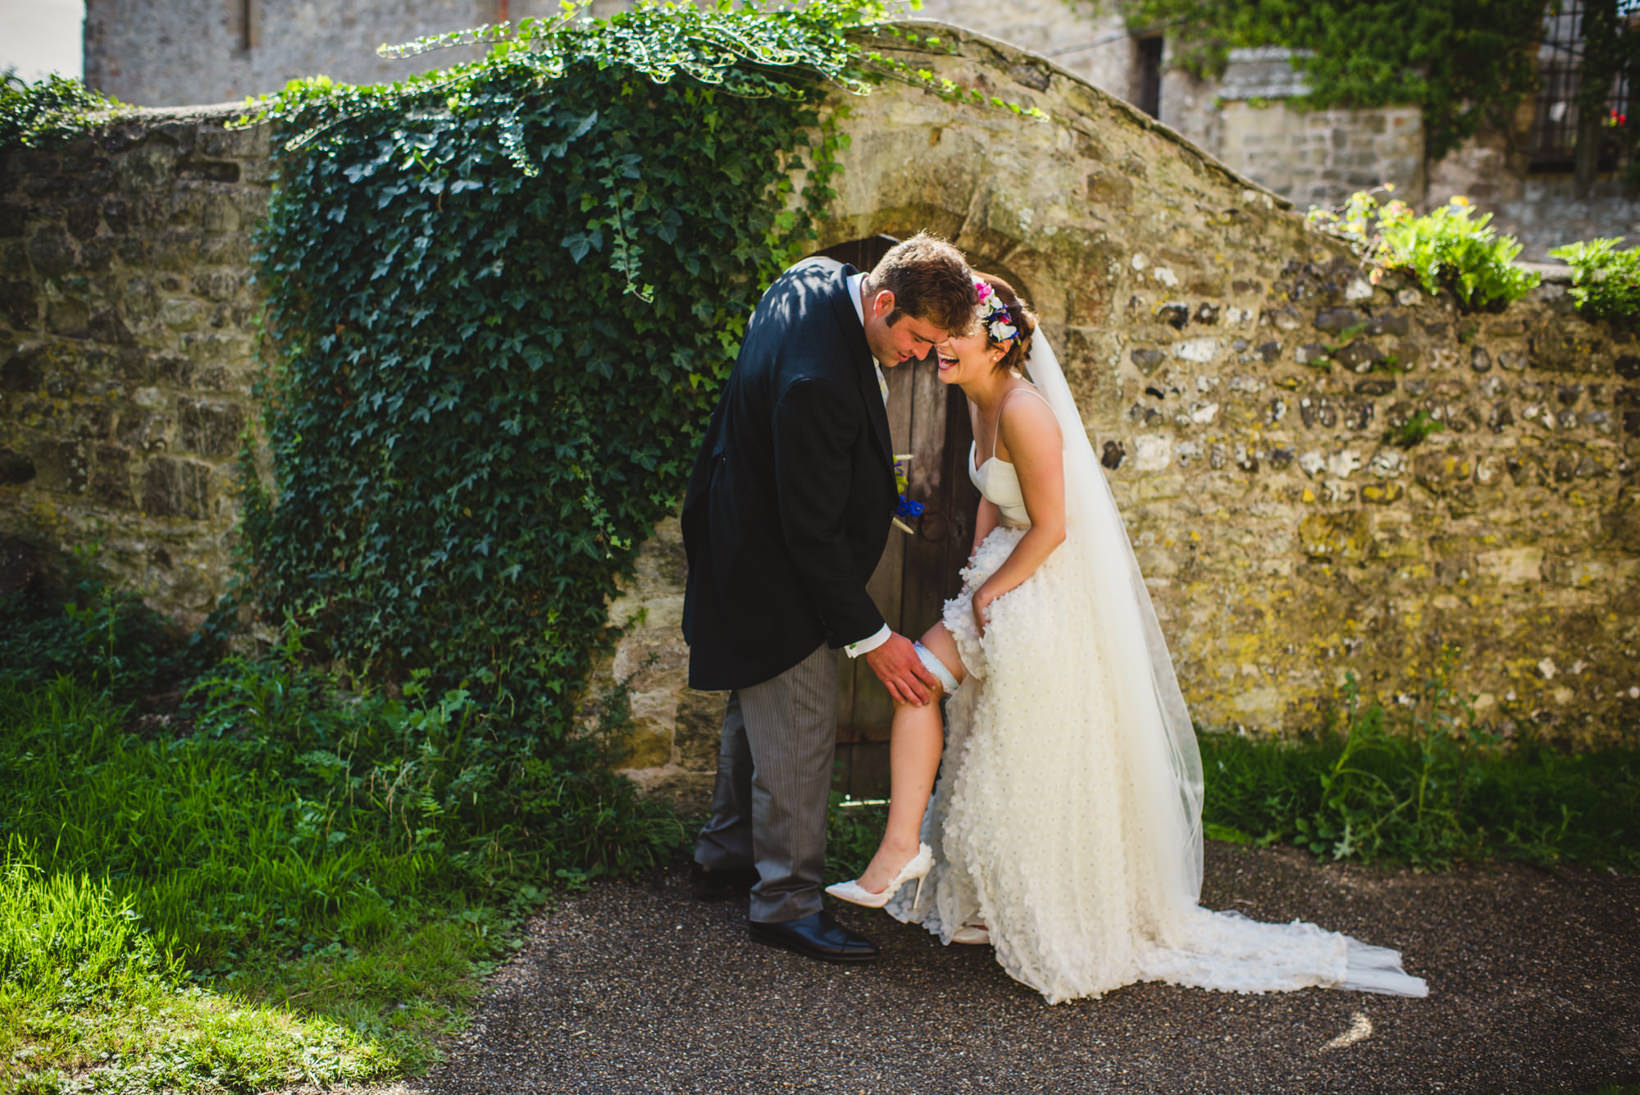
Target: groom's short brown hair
(929, 280)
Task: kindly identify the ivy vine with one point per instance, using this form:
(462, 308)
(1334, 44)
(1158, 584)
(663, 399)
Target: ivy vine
(54, 107)
(504, 297)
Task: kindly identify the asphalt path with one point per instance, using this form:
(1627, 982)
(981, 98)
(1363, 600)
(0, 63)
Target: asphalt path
(632, 986)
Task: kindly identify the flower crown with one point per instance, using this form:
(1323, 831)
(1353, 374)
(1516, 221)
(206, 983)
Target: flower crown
(993, 315)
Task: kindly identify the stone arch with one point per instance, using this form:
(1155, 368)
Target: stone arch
(919, 570)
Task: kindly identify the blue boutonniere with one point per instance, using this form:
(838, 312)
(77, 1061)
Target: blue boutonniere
(908, 507)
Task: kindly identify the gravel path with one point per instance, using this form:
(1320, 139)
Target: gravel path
(633, 987)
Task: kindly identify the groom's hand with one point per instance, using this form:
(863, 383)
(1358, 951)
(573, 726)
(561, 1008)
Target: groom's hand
(902, 672)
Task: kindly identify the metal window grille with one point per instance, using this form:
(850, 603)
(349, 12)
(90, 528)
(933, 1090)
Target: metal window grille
(1553, 139)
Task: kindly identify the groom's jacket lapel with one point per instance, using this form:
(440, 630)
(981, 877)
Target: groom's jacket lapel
(865, 376)
(788, 509)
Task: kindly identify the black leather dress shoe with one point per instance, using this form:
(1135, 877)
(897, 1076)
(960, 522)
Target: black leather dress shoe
(816, 936)
(708, 885)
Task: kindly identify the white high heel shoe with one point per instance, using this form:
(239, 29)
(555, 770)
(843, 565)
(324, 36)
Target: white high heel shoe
(916, 867)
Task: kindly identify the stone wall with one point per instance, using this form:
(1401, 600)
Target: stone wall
(1321, 157)
(1244, 382)
(1541, 210)
(128, 347)
(209, 51)
(1312, 157)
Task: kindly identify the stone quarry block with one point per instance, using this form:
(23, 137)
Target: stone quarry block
(209, 428)
(176, 487)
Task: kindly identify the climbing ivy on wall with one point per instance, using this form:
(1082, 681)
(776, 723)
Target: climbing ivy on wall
(33, 115)
(1465, 62)
(504, 297)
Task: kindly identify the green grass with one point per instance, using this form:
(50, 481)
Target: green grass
(1427, 788)
(85, 989)
(1534, 804)
(284, 884)
(261, 950)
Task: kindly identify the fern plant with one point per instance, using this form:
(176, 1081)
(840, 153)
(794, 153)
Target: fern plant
(1605, 281)
(1450, 247)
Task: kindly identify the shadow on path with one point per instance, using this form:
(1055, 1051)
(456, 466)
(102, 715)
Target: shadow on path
(1534, 983)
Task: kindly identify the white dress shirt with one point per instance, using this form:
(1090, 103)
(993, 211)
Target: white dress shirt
(871, 642)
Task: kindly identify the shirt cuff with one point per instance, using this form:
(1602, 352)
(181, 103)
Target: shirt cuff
(867, 645)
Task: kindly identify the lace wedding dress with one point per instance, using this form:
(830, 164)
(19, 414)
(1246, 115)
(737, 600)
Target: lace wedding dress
(1067, 817)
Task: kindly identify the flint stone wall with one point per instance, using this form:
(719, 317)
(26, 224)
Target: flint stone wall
(1236, 370)
(1239, 374)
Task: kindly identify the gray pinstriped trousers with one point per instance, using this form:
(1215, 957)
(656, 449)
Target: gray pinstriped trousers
(773, 782)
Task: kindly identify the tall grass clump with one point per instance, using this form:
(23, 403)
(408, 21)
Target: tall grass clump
(64, 937)
(1425, 785)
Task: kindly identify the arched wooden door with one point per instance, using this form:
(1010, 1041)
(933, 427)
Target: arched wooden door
(919, 570)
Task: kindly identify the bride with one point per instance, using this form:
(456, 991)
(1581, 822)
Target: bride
(1066, 827)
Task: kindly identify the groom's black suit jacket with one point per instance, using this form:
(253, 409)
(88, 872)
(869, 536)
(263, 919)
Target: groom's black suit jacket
(789, 504)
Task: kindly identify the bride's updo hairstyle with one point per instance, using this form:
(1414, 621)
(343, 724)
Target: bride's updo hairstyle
(1021, 321)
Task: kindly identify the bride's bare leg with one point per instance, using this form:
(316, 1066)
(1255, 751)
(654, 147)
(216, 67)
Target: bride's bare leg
(918, 736)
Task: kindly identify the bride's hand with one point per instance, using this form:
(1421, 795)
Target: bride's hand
(982, 609)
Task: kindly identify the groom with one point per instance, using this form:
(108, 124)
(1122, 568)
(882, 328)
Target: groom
(786, 515)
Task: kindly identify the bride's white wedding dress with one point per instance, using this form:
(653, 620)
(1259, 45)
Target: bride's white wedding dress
(1067, 817)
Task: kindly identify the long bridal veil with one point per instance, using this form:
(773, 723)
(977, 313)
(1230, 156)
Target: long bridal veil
(1154, 709)
(1097, 883)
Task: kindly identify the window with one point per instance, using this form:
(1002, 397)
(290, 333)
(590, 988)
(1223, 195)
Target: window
(1555, 121)
(242, 25)
(1145, 77)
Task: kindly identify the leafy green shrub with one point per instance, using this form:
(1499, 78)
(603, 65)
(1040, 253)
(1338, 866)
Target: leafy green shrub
(1605, 281)
(34, 114)
(1447, 248)
(101, 636)
(1427, 789)
(505, 297)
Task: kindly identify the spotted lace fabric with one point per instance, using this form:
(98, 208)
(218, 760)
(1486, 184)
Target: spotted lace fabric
(1050, 822)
